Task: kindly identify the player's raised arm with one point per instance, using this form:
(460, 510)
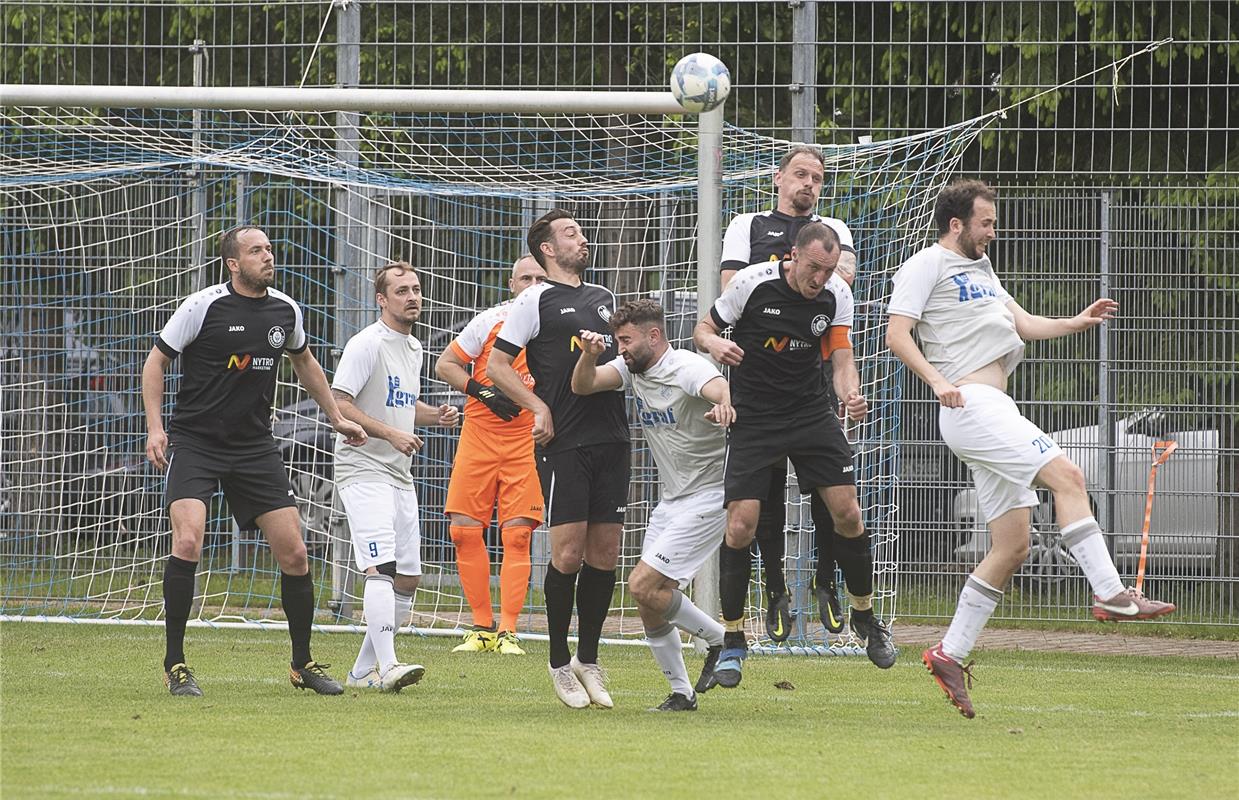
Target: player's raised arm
(1032, 326)
(587, 376)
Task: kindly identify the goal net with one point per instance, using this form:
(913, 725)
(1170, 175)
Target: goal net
(110, 217)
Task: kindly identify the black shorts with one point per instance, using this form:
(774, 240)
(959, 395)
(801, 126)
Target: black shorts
(253, 482)
(586, 484)
(817, 448)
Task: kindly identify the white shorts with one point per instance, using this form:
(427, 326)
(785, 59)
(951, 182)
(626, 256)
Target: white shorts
(1003, 449)
(384, 524)
(684, 532)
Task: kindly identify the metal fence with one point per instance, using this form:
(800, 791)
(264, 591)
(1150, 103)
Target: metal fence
(1123, 184)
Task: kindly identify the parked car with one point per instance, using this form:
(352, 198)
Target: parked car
(1184, 523)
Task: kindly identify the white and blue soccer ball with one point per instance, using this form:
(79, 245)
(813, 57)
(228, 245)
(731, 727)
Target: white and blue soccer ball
(700, 82)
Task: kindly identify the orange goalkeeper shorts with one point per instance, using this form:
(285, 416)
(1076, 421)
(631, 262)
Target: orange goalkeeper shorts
(490, 468)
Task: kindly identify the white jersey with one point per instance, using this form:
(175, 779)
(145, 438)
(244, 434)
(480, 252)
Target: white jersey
(381, 369)
(961, 311)
(687, 447)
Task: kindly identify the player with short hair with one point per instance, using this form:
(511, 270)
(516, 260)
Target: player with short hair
(378, 386)
(230, 338)
(582, 448)
(494, 463)
(972, 337)
(768, 236)
(787, 317)
(684, 407)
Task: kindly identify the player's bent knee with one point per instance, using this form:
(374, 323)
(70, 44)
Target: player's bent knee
(516, 537)
(465, 535)
(407, 584)
(388, 569)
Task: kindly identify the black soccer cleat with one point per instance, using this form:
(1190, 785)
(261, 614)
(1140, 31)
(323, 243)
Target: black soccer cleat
(828, 606)
(314, 676)
(706, 681)
(678, 702)
(180, 682)
(877, 638)
(779, 618)
(727, 672)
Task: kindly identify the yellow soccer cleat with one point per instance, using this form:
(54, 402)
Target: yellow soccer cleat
(508, 644)
(478, 640)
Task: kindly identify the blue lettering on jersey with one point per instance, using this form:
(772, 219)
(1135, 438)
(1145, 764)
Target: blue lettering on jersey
(397, 398)
(1043, 444)
(652, 418)
(971, 291)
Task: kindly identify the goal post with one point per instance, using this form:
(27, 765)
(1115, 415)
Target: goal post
(110, 199)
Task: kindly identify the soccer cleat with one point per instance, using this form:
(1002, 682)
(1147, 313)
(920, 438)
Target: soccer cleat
(828, 606)
(954, 678)
(727, 670)
(677, 702)
(877, 638)
(592, 678)
(507, 644)
(567, 687)
(180, 682)
(314, 676)
(1129, 604)
(399, 676)
(779, 618)
(370, 680)
(706, 680)
(478, 640)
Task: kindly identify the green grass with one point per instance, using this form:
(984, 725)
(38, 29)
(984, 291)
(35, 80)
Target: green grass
(85, 713)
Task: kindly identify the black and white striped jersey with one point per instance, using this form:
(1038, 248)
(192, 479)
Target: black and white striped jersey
(769, 236)
(545, 321)
(784, 337)
(230, 347)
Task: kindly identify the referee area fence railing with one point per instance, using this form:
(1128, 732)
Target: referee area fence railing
(1121, 186)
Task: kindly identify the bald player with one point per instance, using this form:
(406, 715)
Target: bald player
(494, 464)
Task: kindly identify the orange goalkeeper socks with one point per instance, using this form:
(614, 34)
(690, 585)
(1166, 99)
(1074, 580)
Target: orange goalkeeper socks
(473, 563)
(514, 574)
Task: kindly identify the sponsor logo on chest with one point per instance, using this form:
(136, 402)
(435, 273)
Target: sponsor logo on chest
(397, 397)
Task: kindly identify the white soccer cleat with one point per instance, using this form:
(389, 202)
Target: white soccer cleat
(591, 677)
(368, 681)
(567, 687)
(399, 676)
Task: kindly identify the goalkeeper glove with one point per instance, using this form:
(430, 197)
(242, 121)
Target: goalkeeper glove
(493, 398)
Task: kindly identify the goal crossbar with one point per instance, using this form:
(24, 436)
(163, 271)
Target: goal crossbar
(361, 100)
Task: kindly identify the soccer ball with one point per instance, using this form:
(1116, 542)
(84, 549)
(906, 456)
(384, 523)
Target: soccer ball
(700, 82)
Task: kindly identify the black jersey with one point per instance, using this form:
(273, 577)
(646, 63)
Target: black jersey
(769, 236)
(546, 321)
(783, 336)
(230, 347)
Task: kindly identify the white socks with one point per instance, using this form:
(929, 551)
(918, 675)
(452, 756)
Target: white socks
(1083, 538)
(669, 653)
(692, 620)
(404, 606)
(976, 603)
(378, 649)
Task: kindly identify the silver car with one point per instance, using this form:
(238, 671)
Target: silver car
(1184, 524)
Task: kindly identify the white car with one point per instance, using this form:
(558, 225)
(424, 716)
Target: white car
(1184, 525)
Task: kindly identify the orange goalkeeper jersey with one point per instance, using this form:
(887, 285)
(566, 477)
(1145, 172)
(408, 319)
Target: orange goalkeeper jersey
(475, 344)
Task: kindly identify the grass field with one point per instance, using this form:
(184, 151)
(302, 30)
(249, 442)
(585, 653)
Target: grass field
(85, 713)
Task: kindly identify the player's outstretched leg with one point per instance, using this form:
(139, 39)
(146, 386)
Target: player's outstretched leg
(1111, 601)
